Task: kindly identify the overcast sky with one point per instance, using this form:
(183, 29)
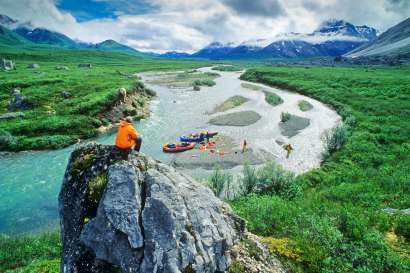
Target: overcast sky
(188, 25)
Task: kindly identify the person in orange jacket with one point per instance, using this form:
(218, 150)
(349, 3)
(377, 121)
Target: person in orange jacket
(127, 138)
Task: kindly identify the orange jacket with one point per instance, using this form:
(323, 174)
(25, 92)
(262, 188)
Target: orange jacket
(126, 135)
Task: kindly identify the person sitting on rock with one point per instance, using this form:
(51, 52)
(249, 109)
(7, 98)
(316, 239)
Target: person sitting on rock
(127, 138)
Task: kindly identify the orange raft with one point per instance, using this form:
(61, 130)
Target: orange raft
(177, 148)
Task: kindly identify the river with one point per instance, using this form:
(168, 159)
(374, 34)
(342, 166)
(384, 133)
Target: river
(30, 181)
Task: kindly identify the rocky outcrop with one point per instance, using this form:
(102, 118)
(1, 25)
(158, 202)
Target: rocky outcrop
(134, 102)
(18, 101)
(7, 64)
(140, 215)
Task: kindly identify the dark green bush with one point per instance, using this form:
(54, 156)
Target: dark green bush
(284, 116)
(272, 98)
(403, 226)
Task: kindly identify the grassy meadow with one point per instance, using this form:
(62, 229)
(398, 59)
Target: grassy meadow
(53, 121)
(335, 224)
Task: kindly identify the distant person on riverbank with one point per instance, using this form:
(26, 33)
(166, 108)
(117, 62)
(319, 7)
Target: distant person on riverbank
(288, 149)
(127, 138)
(244, 146)
(122, 94)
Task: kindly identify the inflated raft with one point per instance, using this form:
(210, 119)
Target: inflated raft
(197, 137)
(177, 148)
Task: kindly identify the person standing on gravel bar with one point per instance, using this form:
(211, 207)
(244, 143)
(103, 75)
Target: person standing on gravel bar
(288, 149)
(244, 146)
(127, 138)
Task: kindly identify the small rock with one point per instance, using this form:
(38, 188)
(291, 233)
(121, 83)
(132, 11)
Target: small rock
(84, 65)
(33, 66)
(60, 67)
(65, 94)
(12, 115)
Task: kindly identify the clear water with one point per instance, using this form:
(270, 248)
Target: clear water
(30, 181)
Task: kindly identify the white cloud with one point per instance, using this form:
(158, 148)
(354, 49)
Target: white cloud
(189, 25)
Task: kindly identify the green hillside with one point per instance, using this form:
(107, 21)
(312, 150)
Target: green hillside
(113, 46)
(10, 38)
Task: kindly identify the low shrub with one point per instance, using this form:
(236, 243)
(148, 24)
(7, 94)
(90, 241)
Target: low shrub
(272, 98)
(272, 178)
(403, 226)
(269, 179)
(284, 116)
(228, 68)
(218, 180)
(7, 141)
(96, 189)
(335, 138)
(305, 106)
(204, 82)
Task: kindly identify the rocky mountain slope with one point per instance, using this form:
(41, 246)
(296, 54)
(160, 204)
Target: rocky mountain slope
(394, 41)
(45, 36)
(139, 215)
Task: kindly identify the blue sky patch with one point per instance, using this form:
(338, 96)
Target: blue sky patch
(85, 10)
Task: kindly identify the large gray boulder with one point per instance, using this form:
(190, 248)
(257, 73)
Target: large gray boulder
(150, 218)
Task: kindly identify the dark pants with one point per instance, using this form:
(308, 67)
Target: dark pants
(138, 143)
(124, 153)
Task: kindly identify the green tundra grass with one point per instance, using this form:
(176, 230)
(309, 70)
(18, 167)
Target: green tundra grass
(336, 225)
(55, 122)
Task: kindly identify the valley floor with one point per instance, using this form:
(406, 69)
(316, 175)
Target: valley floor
(335, 223)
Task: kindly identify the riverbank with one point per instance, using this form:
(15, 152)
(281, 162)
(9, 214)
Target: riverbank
(58, 107)
(255, 119)
(340, 210)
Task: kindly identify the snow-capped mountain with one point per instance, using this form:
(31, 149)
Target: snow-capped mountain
(214, 50)
(331, 38)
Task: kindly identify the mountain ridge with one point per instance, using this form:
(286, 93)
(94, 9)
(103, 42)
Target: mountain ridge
(14, 33)
(332, 38)
(394, 41)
